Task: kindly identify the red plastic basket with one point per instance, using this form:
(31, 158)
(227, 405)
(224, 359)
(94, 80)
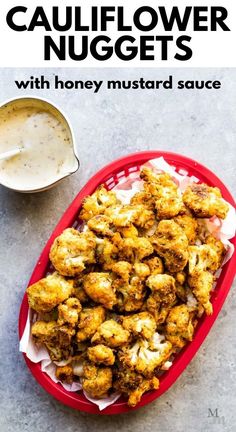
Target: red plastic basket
(110, 175)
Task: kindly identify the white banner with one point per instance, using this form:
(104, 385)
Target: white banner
(103, 33)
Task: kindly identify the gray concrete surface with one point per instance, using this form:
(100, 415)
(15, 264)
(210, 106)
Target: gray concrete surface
(199, 124)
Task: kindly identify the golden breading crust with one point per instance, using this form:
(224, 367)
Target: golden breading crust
(97, 381)
(101, 354)
(189, 225)
(65, 374)
(179, 325)
(201, 283)
(140, 324)
(98, 286)
(68, 312)
(97, 203)
(171, 243)
(132, 384)
(90, 320)
(168, 200)
(71, 251)
(205, 201)
(49, 292)
(162, 296)
(112, 334)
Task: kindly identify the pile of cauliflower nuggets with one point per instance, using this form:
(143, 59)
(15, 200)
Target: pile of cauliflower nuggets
(128, 289)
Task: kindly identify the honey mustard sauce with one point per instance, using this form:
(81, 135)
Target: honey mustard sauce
(46, 145)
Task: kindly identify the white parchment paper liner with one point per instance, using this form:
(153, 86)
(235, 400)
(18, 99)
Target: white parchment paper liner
(125, 190)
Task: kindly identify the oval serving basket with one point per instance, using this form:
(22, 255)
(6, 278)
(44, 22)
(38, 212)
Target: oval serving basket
(110, 175)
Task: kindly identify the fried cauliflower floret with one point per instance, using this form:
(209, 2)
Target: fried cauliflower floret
(68, 312)
(171, 243)
(112, 334)
(90, 319)
(106, 253)
(203, 257)
(218, 247)
(143, 198)
(146, 355)
(101, 224)
(179, 325)
(129, 232)
(146, 385)
(162, 295)
(201, 283)
(48, 292)
(97, 203)
(142, 270)
(44, 331)
(189, 226)
(123, 269)
(146, 218)
(132, 248)
(123, 215)
(205, 201)
(130, 295)
(140, 324)
(133, 385)
(168, 200)
(98, 286)
(181, 290)
(156, 265)
(96, 381)
(136, 249)
(56, 338)
(72, 250)
(64, 374)
(101, 354)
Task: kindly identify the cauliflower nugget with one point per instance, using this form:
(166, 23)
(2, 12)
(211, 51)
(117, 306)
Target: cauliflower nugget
(68, 312)
(133, 249)
(162, 297)
(101, 225)
(189, 226)
(56, 339)
(201, 283)
(44, 331)
(155, 265)
(123, 269)
(96, 381)
(179, 326)
(133, 384)
(97, 203)
(140, 324)
(72, 250)
(48, 292)
(146, 355)
(130, 295)
(171, 243)
(144, 198)
(205, 201)
(168, 200)
(98, 286)
(112, 334)
(90, 319)
(218, 247)
(101, 354)
(203, 257)
(64, 374)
